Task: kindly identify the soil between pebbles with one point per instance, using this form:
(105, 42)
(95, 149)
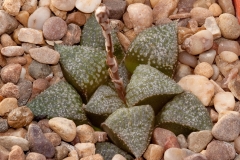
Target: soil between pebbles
(29, 65)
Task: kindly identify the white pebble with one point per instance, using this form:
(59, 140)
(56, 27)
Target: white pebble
(228, 56)
(63, 5)
(38, 17)
(208, 56)
(204, 69)
(199, 42)
(87, 6)
(224, 101)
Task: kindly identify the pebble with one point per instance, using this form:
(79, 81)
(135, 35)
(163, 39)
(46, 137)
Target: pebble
(10, 90)
(185, 6)
(165, 138)
(182, 70)
(54, 138)
(85, 134)
(217, 150)
(54, 32)
(100, 136)
(9, 141)
(45, 55)
(20, 117)
(11, 73)
(227, 127)
(118, 157)
(38, 142)
(39, 70)
(4, 153)
(163, 9)
(7, 40)
(30, 6)
(44, 3)
(16, 153)
(227, 6)
(11, 51)
(65, 128)
(182, 141)
(12, 7)
(200, 14)
(127, 21)
(64, 5)
(141, 16)
(39, 85)
(25, 91)
(85, 149)
(20, 132)
(58, 13)
(177, 153)
(7, 105)
(77, 18)
(199, 42)
(197, 156)
(229, 45)
(204, 69)
(215, 9)
(237, 144)
(3, 125)
(31, 36)
(61, 152)
(228, 56)
(34, 156)
(43, 124)
(116, 8)
(229, 26)
(9, 23)
(87, 6)
(211, 25)
(154, 152)
(125, 42)
(23, 17)
(38, 17)
(200, 86)
(73, 34)
(197, 141)
(188, 59)
(95, 157)
(207, 56)
(17, 60)
(224, 101)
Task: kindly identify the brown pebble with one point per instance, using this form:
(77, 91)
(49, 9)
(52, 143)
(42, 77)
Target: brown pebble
(6, 40)
(200, 14)
(11, 73)
(34, 156)
(12, 51)
(16, 153)
(22, 17)
(4, 153)
(7, 105)
(77, 18)
(45, 55)
(10, 90)
(73, 34)
(54, 32)
(20, 132)
(17, 60)
(54, 138)
(39, 85)
(8, 23)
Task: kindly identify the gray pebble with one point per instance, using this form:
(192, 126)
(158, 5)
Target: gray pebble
(3, 125)
(25, 91)
(39, 70)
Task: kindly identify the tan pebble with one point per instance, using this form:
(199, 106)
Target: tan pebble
(123, 40)
(182, 70)
(58, 13)
(77, 18)
(202, 3)
(229, 26)
(11, 73)
(16, 153)
(95, 157)
(204, 69)
(64, 5)
(237, 144)
(45, 55)
(215, 9)
(100, 136)
(8, 23)
(17, 60)
(228, 56)
(22, 17)
(10, 90)
(85, 149)
(15, 35)
(44, 3)
(227, 6)
(20, 117)
(130, 34)
(154, 3)
(64, 127)
(4, 153)
(20, 132)
(180, 16)
(31, 36)
(116, 24)
(200, 14)
(118, 157)
(154, 152)
(6, 40)
(70, 158)
(175, 153)
(12, 51)
(73, 153)
(126, 19)
(86, 134)
(35, 155)
(229, 45)
(224, 101)
(30, 6)
(199, 86)
(12, 7)
(7, 105)
(214, 115)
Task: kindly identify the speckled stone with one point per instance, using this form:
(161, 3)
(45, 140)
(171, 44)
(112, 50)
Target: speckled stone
(53, 32)
(45, 55)
(11, 73)
(39, 70)
(8, 23)
(25, 91)
(3, 125)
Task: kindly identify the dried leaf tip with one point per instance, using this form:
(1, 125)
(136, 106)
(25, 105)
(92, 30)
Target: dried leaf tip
(102, 14)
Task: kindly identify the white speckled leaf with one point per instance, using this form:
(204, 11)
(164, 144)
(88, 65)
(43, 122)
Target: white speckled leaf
(59, 100)
(150, 86)
(156, 46)
(103, 102)
(83, 67)
(184, 114)
(131, 128)
(108, 151)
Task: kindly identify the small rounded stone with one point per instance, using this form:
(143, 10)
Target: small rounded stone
(87, 6)
(228, 56)
(204, 69)
(11, 73)
(215, 9)
(64, 127)
(38, 17)
(86, 133)
(224, 101)
(54, 32)
(7, 105)
(200, 14)
(64, 5)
